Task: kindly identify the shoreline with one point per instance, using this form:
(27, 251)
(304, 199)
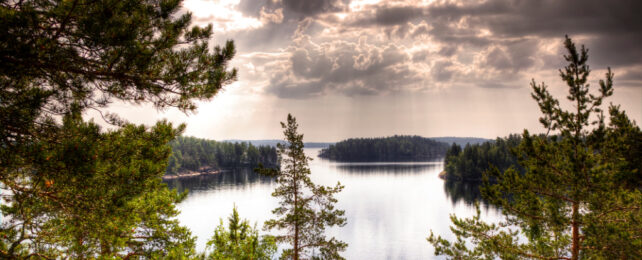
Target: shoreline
(190, 174)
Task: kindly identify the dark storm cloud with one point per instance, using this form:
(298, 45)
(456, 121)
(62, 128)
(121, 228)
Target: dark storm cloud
(386, 15)
(396, 15)
(611, 25)
(312, 7)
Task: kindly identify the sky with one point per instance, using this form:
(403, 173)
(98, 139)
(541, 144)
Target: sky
(368, 68)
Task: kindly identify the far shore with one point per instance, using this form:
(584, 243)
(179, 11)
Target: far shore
(191, 174)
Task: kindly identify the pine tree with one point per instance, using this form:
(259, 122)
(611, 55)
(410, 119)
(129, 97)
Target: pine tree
(305, 209)
(70, 188)
(579, 197)
(240, 241)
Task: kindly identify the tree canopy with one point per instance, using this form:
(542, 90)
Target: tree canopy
(240, 241)
(194, 154)
(576, 198)
(469, 163)
(70, 188)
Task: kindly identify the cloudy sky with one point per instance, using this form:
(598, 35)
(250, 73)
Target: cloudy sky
(364, 68)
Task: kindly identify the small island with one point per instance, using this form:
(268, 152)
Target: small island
(396, 148)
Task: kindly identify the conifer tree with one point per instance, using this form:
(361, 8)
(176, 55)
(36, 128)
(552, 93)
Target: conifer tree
(579, 197)
(70, 188)
(305, 209)
(240, 241)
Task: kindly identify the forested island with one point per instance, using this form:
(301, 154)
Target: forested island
(386, 149)
(195, 154)
(468, 163)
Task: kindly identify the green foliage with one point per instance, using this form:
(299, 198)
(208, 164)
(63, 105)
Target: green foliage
(83, 193)
(579, 196)
(92, 52)
(394, 148)
(470, 163)
(194, 154)
(305, 209)
(240, 241)
(70, 189)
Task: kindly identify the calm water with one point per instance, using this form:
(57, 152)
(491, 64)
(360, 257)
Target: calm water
(390, 207)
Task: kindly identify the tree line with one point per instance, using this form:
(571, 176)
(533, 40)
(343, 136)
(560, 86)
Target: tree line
(195, 154)
(394, 148)
(471, 161)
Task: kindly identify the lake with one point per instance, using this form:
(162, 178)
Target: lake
(390, 207)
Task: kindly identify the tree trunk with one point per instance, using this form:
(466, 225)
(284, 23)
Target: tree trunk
(575, 249)
(296, 215)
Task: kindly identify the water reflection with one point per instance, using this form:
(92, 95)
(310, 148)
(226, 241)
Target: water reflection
(390, 207)
(237, 178)
(467, 192)
(385, 168)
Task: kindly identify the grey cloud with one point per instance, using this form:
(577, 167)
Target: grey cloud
(498, 84)
(448, 51)
(546, 17)
(420, 56)
(272, 17)
(421, 29)
(312, 7)
(442, 71)
(446, 32)
(487, 39)
(342, 67)
(253, 7)
(386, 15)
(396, 15)
(615, 49)
(498, 59)
(310, 66)
(607, 22)
(629, 78)
(514, 56)
(271, 36)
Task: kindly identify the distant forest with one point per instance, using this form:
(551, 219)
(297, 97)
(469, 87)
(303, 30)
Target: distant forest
(385, 149)
(461, 141)
(469, 163)
(194, 154)
(274, 142)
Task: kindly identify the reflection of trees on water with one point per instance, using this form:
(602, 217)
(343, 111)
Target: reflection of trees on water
(235, 177)
(385, 168)
(465, 191)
